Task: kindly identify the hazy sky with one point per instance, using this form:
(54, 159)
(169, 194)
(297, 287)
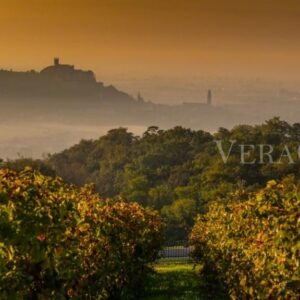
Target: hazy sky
(169, 37)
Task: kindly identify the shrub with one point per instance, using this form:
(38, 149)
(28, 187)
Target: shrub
(254, 245)
(59, 242)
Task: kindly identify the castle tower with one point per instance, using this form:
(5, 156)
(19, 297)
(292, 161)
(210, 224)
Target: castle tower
(209, 98)
(56, 61)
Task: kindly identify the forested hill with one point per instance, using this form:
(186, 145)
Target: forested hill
(177, 171)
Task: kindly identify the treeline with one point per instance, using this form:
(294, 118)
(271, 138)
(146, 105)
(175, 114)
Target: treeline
(60, 242)
(179, 171)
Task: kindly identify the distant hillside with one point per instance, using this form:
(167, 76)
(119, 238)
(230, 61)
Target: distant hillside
(47, 111)
(62, 93)
(55, 81)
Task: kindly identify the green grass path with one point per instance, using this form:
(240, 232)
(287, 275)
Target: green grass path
(179, 280)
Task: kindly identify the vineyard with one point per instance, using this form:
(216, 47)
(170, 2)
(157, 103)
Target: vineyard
(59, 242)
(254, 245)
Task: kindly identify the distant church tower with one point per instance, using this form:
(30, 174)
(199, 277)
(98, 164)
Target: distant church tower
(209, 98)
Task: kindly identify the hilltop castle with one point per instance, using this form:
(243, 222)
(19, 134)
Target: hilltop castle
(57, 80)
(67, 73)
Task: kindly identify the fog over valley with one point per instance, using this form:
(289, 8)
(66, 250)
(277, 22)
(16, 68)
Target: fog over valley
(49, 110)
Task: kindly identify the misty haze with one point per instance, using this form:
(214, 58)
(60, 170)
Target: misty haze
(47, 111)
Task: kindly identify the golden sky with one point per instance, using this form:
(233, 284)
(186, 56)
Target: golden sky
(237, 37)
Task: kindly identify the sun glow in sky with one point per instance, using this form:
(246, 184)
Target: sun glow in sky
(240, 37)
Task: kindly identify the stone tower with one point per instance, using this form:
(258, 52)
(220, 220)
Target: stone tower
(56, 61)
(209, 98)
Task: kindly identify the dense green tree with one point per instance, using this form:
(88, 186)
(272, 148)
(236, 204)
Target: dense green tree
(179, 217)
